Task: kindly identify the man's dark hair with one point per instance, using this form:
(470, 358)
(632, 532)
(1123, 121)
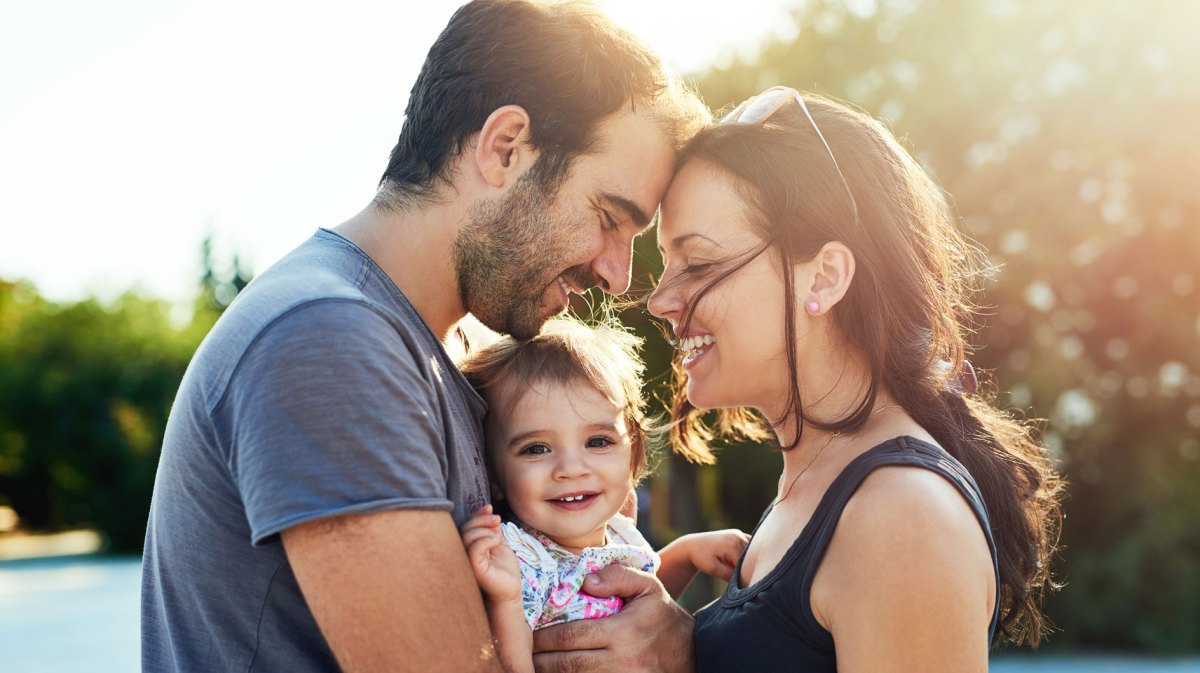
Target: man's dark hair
(566, 64)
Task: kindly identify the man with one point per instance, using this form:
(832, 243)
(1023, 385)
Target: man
(323, 449)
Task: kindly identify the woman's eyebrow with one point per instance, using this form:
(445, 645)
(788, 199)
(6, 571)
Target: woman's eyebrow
(677, 243)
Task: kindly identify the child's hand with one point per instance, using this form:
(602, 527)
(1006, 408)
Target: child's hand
(717, 552)
(495, 565)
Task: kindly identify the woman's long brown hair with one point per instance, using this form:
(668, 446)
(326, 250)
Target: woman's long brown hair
(908, 311)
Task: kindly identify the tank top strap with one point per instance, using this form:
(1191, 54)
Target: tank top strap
(899, 451)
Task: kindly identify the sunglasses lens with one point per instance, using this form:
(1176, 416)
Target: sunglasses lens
(762, 106)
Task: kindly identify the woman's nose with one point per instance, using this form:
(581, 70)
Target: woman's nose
(664, 302)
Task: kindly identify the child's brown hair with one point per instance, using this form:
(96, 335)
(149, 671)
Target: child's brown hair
(567, 352)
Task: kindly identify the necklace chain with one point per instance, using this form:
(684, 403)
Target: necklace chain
(818, 455)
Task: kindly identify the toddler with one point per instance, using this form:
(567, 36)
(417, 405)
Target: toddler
(566, 443)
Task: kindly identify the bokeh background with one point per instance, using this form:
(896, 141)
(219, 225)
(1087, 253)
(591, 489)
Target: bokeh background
(1064, 130)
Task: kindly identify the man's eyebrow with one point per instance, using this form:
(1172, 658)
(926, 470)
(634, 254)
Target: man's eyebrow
(630, 209)
(677, 243)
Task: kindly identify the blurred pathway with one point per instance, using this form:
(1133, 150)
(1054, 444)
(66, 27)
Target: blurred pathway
(80, 613)
(1055, 663)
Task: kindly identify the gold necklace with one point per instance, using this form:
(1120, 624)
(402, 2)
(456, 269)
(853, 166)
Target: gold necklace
(804, 469)
(818, 455)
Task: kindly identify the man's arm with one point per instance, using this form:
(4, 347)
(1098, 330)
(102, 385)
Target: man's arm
(392, 591)
(650, 633)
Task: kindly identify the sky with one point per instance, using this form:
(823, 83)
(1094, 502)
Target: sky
(132, 129)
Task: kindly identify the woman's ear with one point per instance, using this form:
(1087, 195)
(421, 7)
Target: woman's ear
(502, 150)
(829, 276)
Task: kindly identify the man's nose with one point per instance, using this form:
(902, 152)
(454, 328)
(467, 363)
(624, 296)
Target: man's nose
(614, 266)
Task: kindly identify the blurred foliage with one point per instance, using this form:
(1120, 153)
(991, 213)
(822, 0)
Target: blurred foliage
(1065, 133)
(85, 389)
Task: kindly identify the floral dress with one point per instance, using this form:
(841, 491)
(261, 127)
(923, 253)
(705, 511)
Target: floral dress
(551, 577)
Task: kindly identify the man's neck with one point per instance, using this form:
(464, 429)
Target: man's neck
(415, 248)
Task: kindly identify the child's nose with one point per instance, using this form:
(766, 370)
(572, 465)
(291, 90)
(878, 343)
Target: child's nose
(570, 464)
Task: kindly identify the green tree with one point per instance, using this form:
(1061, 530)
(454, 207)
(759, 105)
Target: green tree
(85, 390)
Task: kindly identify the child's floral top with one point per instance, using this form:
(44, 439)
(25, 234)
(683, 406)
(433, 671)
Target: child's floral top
(552, 576)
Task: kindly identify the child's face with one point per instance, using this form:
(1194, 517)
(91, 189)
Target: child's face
(562, 442)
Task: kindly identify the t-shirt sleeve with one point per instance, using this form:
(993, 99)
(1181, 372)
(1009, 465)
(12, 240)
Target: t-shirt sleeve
(330, 412)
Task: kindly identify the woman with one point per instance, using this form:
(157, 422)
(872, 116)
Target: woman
(814, 275)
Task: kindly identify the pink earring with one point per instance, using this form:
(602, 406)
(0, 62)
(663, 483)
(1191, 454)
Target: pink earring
(812, 307)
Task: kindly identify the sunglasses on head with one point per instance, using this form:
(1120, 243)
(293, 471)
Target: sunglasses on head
(758, 109)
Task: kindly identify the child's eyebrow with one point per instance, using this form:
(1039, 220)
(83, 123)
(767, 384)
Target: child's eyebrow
(517, 440)
(524, 437)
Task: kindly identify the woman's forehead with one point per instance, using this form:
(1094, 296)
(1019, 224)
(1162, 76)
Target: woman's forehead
(702, 208)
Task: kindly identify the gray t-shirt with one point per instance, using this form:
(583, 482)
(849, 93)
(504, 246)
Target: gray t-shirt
(319, 392)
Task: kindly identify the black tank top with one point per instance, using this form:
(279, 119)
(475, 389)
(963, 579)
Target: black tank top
(770, 626)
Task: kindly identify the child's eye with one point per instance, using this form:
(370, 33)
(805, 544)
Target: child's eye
(599, 442)
(535, 450)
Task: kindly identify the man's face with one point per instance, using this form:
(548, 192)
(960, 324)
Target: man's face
(519, 257)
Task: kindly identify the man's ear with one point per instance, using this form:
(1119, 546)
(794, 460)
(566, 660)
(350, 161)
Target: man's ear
(828, 277)
(502, 150)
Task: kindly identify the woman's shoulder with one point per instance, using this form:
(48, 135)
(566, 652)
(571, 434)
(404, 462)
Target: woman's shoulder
(912, 498)
(907, 516)
(909, 558)
(912, 486)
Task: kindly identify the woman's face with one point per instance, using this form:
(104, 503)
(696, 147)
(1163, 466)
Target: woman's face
(734, 345)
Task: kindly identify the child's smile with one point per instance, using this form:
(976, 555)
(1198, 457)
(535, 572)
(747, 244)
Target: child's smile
(563, 461)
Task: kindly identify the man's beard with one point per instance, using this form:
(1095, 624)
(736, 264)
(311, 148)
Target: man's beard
(507, 254)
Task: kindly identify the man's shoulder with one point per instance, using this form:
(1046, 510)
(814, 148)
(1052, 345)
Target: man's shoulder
(324, 267)
(322, 295)
(326, 279)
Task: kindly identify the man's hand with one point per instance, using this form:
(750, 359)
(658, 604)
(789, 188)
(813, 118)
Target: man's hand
(651, 633)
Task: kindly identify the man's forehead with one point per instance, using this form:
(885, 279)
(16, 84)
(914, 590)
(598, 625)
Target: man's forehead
(638, 159)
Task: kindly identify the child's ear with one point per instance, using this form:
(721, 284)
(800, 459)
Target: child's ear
(630, 507)
(497, 493)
